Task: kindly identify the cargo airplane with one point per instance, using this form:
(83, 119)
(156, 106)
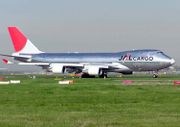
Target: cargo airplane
(126, 62)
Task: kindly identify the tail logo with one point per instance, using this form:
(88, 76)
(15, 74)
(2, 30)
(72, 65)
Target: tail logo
(18, 39)
(21, 43)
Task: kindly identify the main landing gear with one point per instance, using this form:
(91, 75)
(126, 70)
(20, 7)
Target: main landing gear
(103, 75)
(155, 74)
(85, 75)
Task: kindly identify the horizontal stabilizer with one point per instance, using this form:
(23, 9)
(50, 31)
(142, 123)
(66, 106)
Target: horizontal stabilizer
(6, 61)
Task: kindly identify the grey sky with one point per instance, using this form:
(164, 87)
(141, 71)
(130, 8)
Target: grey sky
(94, 25)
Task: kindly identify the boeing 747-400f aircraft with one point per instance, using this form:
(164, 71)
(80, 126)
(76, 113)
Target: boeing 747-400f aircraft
(100, 64)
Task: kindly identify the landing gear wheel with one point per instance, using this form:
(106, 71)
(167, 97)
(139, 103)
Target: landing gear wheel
(85, 75)
(155, 75)
(104, 75)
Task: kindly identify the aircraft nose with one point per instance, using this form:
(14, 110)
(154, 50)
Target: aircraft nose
(172, 61)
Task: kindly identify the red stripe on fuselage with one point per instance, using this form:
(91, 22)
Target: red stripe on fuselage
(18, 39)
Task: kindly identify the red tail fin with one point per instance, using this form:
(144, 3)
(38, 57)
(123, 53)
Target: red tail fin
(18, 39)
(21, 43)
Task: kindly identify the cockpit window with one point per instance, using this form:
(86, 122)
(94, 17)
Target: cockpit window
(156, 52)
(159, 52)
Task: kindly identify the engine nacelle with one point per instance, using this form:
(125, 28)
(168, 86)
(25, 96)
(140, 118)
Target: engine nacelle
(56, 68)
(93, 70)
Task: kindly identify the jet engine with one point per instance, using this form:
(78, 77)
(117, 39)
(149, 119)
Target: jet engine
(93, 70)
(56, 68)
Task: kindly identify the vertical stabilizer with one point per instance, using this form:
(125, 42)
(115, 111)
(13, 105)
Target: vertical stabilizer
(21, 43)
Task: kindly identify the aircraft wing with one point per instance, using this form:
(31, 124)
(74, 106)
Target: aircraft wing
(90, 68)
